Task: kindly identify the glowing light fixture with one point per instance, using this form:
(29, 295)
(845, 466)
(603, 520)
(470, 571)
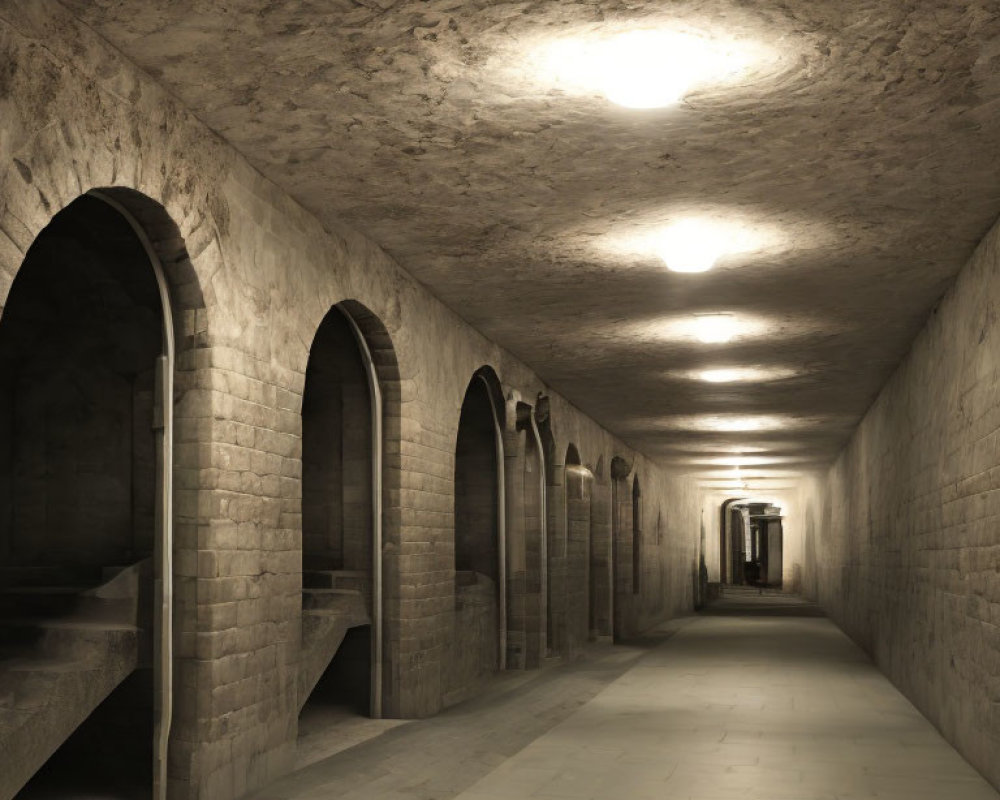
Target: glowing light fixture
(715, 328)
(721, 375)
(735, 424)
(645, 68)
(709, 327)
(691, 245)
(744, 461)
(728, 423)
(651, 69)
(743, 374)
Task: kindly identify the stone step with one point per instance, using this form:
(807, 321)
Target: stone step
(343, 613)
(322, 599)
(29, 602)
(49, 575)
(327, 615)
(466, 577)
(359, 580)
(43, 699)
(27, 683)
(69, 637)
(32, 601)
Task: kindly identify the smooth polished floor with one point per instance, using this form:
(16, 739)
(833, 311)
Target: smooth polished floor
(760, 697)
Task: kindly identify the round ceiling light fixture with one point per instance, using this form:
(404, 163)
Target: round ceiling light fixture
(715, 328)
(645, 68)
(728, 423)
(692, 245)
(651, 69)
(743, 374)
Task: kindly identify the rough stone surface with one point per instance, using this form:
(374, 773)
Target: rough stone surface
(868, 144)
(899, 539)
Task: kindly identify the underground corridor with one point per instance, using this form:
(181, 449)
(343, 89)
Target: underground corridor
(431, 400)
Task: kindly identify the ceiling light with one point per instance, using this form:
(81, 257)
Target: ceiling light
(715, 328)
(651, 69)
(721, 375)
(710, 327)
(735, 424)
(743, 461)
(728, 423)
(743, 374)
(691, 245)
(645, 68)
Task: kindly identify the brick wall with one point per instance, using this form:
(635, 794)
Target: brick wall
(900, 539)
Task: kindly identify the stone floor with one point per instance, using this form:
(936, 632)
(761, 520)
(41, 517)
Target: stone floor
(326, 731)
(761, 697)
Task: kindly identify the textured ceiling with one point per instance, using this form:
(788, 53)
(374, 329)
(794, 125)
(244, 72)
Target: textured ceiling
(864, 145)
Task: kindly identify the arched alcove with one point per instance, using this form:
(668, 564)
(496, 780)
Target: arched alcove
(636, 536)
(579, 491)
(535, 523)
(338, 462)
(600, 556)
(385, 388)
(621, 545)
(658, 592)
(350, 411)
(555, 534)
(86, 469)
(479, 641)
(336, 453)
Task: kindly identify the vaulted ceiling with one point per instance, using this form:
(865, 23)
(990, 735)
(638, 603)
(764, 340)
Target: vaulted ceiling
(861, 145)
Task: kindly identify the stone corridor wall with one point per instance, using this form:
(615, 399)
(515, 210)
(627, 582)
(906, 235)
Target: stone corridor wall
(252, 276)
(901, 539)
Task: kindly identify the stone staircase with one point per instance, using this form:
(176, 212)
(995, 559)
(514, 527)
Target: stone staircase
(333, 601)
(68, 637)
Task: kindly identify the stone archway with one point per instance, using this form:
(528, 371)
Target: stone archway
(87, 341)
(479, 638)
(579, 495)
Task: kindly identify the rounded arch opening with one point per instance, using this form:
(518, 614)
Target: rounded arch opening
(87, 349)
(636, 536)
(621, 524)
(751, 542)
(577, 553)
(349, 410)
(601, 580)
(479, 641)
(528, 555)
(730, 564)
